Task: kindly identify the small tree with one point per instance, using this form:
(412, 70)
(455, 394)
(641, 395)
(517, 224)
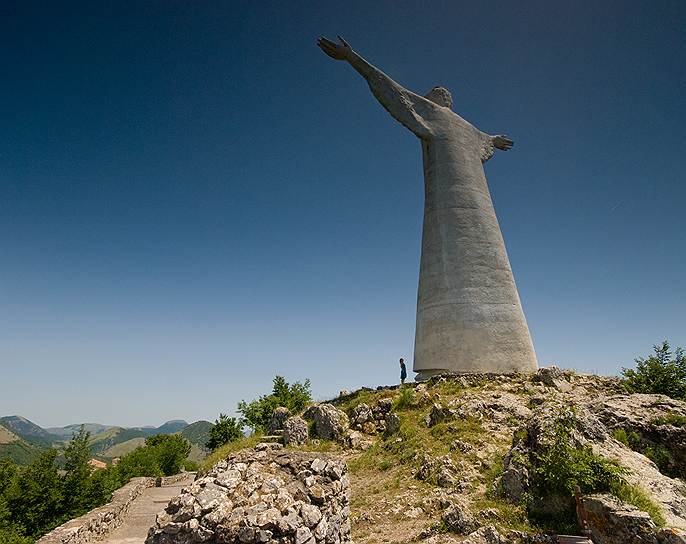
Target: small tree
(77, 455)
(225, 429)
(258, 412)
(662, 373)
(35, 497)
(170, 450)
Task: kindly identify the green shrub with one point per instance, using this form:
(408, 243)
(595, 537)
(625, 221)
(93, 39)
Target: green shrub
(662, 373)
(225, 429)
(631, 439)
(670, 419)
(170, 451)
(258, 412)
(405, 399)
(640, 499)
(562, 464)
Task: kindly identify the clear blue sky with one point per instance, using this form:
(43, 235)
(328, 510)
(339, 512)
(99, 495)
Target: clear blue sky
(194, 198)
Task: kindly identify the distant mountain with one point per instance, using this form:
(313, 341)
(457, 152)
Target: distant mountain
(68, 431)
(29, 431)
(122, 448)
(23, 440)
(12, 446)
(197, 433)
(171, 427)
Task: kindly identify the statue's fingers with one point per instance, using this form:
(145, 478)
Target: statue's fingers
(327, 42)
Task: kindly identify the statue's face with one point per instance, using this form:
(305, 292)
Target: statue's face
(440, 96)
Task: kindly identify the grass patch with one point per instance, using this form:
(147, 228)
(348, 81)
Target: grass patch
(509, 516)
(657, 453)
(405, 399)
(635, 496)
(670, 419)
(224, 451)
(319, 446)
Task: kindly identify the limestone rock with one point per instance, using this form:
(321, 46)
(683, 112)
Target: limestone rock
(439, 414)
(265, 496)
(330, 423)
(648, 417)
(355, 440)
(485, 535)
(295, 431)
(440, 471)
(458, 519)
(672, 536)
(614, 522)
(392, 423)
(552, 376)
(361, 414)
(279, 417)
(515, 482)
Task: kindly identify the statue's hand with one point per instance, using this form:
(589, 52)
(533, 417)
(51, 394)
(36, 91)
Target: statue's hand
(336, 51)
(502, 142)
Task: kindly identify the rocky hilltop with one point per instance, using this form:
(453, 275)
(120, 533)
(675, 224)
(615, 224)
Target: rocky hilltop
(470, 458)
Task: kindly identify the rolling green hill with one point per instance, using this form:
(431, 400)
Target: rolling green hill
(68, 431)
(29, 431)
(12, 446)
(197, 433)
(23, 440)
(122, 448)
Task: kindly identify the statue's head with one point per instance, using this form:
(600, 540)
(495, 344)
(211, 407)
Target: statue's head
(440, 96)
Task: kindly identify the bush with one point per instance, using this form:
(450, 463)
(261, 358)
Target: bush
(405, 399)
(258, 412)
(225, 429)
(670, 419)
(663, 373)
(562, 464)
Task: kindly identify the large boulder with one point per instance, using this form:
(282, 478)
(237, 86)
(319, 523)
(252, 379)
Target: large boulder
(279, 417)
(651, 423)
(552, 376)
(295, 431)
(330, 423)
(459, 520)
(614, 522)
(260, 496)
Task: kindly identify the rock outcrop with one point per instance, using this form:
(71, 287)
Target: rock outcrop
(330, 423)
(614, 522)
(279, 417)
(295, 431)
(373, 419)
(654, 424)
(263, 496)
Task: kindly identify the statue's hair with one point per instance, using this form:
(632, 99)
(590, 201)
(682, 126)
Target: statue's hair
(440, 96)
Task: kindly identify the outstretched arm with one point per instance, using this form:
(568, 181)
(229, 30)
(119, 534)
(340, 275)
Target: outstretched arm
(490, 143)
(408, 108)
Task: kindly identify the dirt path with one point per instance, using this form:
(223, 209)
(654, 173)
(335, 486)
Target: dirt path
(141, 515)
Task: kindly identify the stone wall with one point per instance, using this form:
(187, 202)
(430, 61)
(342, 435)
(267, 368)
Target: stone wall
(263, 496)
(97, 523)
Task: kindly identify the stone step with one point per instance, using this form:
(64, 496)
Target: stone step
(271, 438)
(565, 539)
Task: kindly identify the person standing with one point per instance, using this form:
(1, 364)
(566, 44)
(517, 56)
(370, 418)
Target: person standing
(403, 371)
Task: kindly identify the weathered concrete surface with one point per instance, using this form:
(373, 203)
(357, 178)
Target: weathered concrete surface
(142, 513)
(469, 316)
